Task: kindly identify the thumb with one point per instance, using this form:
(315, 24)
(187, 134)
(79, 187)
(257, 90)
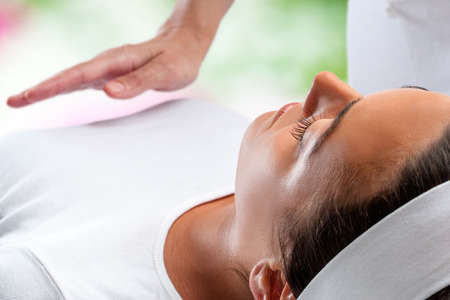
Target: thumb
(149, 76)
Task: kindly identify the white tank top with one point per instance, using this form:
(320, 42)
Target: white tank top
(84, 211)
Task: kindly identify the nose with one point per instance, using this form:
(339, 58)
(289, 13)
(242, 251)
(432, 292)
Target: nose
(328, 95)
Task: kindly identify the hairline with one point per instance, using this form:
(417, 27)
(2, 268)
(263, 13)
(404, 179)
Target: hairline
(293, 222)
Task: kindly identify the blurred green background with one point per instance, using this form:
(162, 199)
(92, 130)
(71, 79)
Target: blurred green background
(266, 52)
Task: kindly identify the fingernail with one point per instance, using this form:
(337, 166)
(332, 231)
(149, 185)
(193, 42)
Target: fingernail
(26, 95)
(116, 87)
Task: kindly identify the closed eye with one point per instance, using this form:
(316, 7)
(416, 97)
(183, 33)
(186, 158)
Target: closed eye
(302, 125)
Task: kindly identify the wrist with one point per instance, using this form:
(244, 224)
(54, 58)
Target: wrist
(198, 19)
(187, 39)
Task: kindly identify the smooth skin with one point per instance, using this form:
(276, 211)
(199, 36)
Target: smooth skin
(168, 62)
(277, 173)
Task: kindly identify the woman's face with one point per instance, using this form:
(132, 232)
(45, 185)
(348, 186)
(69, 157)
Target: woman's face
(278, 172)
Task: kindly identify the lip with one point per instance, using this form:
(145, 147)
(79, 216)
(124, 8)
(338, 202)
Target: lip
(282, 111)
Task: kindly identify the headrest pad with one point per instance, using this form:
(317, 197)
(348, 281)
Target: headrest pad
(404, 256)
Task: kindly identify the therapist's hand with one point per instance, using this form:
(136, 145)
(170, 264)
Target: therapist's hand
(168, 62)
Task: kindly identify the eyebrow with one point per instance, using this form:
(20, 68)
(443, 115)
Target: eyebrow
(414, 87)
(326, 135)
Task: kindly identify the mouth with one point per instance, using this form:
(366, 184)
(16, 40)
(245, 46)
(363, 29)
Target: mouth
(282, 111)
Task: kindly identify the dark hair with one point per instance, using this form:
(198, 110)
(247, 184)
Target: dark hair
(306, 247)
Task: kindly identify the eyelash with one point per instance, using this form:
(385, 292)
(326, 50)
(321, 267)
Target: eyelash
(302, 125)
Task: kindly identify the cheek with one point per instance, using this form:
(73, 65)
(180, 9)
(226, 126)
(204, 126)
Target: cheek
(265, 163)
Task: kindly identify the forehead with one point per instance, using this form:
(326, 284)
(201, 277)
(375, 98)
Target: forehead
(390, 125)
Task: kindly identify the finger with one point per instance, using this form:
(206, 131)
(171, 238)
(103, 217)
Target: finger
(46, 89)
(69, 80)
(17, 101)
(81, 76)
(150, 76)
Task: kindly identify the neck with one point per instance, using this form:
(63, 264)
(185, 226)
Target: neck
(201, 255)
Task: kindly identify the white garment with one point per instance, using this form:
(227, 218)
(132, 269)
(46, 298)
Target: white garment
(391, 43)
(84, 211)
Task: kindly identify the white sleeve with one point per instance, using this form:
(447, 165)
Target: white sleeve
(391, 43)
(22, 277)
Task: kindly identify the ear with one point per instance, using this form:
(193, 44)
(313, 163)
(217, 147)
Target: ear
(267, 283)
